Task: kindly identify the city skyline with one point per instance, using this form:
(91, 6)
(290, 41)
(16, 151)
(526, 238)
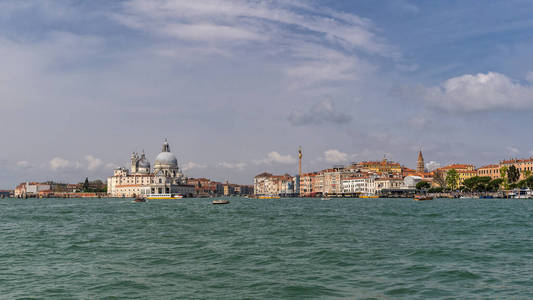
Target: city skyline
(237, 86)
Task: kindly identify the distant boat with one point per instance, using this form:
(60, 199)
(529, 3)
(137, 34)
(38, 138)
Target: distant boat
(368, 196)
(139, 199)
(422, 198)
(268, 197)
(325, 198)
(220, 201)
(163, 196)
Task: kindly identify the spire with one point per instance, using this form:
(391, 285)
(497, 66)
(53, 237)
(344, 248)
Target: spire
(420, 166)
(166, 147)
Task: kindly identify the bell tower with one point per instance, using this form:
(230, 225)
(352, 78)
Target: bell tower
(420, 166)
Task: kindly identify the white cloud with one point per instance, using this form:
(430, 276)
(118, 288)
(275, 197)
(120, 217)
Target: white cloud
(93, 163)
(322, 112)
(209, 32)
(192, 165)
(432, 165)
(236, 166)
(245, 20)
(317, 44)
(275, 157)
(58, 163)
(477, 92)
(335, 156)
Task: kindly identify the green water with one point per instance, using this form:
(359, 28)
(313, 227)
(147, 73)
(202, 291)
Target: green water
(266, 249)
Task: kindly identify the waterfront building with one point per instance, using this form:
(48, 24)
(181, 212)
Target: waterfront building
(166, 177)
(388, 183)
(317, 183)
(492, 171)
(465, 171)
(204, 187)
(523, 165)
(380, 167)
(410, 182)
(364, 184)
(266, 184)
(306, 187)
(30, 189)
(333, 181)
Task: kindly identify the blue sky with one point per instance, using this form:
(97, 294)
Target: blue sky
(236, 86)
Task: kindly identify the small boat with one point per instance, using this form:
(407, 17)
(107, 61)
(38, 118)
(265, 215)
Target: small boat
(139, 199)
(422, 198)
(325, 198)
(220, 201)
(163, 196)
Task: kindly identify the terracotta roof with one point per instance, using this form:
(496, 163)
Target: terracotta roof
(456, 166)
(489, 167)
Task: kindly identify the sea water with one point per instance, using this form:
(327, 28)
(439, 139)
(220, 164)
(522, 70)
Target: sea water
(266, 249)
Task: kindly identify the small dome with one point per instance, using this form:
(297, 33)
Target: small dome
(144, 164)
(166, 158)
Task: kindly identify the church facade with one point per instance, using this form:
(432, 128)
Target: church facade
(140, 179)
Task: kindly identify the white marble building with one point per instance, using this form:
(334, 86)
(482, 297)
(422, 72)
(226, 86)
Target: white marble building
(166, 177)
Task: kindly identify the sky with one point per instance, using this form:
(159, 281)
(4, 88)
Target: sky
(237, 86)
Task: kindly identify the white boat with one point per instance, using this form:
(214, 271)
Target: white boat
(163, 196)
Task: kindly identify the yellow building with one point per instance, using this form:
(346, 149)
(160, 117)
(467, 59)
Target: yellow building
(380, 167)
(492, 171)
(465, 171)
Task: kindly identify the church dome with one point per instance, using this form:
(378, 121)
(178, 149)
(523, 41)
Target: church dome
(166, 158)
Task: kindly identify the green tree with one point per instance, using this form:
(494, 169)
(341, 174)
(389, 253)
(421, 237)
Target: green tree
(477, 183)
(529, 182)
(513, 174)
(494, 185)
(86, 185)
(503, 174)
(527, 173)
(452, 179)
(439, 179)
(436, 190)
(423, 185)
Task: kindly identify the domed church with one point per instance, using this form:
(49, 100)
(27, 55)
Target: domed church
(140, 179)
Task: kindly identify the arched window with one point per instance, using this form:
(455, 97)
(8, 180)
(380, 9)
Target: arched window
(160, 180)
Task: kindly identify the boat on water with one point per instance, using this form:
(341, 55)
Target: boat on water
(422, 198)
(139, 199)
(163, 196)
(369, 196)
(220, 201)
(268, 197)
(325, 198)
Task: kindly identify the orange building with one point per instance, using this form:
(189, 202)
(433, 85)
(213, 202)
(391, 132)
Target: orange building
(525, 166)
